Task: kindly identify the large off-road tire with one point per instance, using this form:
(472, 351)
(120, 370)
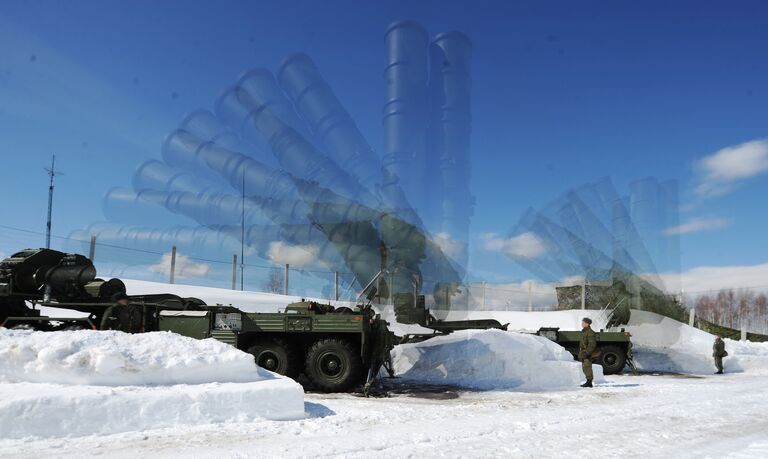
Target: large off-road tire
(278, 356)
(613, 359)
(333, 365)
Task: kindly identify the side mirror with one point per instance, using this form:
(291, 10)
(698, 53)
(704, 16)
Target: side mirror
(371, 294)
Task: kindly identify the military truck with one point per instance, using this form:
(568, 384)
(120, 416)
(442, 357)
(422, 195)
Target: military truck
(336, 348)
(615, 348)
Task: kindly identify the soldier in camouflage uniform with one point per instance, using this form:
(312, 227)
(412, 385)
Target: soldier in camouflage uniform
(122, 315)
(718, 352)
(587, 348)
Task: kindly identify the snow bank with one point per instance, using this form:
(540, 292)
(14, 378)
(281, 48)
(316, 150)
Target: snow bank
(490, 359)
(114, 358)
(660, 343)
(55, 410)
(87, 382)
(664, 344)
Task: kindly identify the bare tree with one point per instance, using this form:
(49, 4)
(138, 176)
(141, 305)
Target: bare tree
(735, 309)
(274, 283)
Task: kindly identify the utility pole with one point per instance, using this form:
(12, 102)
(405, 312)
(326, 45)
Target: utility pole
(336, 282)
(287, 269)
(51, 173)
(242, 238)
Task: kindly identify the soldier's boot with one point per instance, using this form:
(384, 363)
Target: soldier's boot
(719, 372)
(587, 384)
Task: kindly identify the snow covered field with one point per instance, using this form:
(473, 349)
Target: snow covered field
(631, 416)
(64, 395)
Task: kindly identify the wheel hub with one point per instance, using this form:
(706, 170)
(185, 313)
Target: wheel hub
(330, 365)
(268, 361)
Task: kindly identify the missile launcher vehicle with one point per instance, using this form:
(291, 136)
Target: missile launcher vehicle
(335, 348)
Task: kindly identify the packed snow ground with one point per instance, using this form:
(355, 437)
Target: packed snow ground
(84, 382)
(630, 416)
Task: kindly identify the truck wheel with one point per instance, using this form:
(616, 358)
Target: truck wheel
(613, 359)
(277, 356)
(333, 365)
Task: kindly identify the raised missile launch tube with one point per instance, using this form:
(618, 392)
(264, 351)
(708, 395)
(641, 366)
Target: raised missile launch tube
(260, 180)
(155, 175)
(276, 191)
(450, 131)
(331, 123)
(210, 243)
(123, 205)
(250, 112)
(199, 242)
(333, 220)
(671, 204)
(405, 115)
(358, 244)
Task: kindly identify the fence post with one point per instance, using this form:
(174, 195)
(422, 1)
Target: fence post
(530, 299)
(173, 264)
(692, 317)
(92, 250)
(482, 306)
(743, 330)
(336, 281)
(287, 267)
(584, 294)
(234, 272)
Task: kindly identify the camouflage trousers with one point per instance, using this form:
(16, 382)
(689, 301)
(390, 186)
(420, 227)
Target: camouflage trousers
(586, 366)
(719, 363)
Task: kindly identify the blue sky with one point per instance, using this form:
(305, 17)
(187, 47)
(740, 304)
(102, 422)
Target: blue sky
(564, 93)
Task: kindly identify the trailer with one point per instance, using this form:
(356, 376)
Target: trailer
(614, 348)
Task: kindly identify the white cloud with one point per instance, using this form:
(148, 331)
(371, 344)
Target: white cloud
(705, 279)
(450, 247)
(294, 255)
(698, 224)
(722, 170)
(522, 246)
(185, 268)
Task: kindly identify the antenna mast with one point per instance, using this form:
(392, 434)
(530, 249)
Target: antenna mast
(51, 174)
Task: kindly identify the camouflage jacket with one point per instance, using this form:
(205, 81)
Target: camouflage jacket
(588, 343)
(718, 349)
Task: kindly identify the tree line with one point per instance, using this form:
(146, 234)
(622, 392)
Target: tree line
(734, 308)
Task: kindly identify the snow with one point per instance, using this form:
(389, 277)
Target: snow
(628, 417)
(530, 405)
(244, 300)
(103, 382)
(56, 410)
(660, 344)
(490, 359)
(113, 358)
